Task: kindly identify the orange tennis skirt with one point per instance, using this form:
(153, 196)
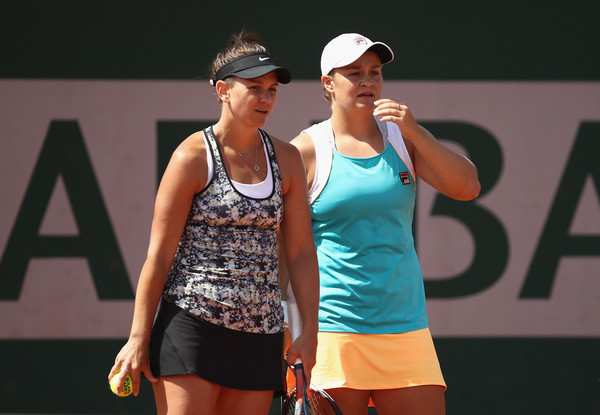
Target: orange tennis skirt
(376, 361)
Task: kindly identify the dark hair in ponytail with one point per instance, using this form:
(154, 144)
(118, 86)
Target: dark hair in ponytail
(243, 43)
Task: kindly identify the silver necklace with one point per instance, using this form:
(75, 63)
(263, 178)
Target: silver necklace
(256, 167)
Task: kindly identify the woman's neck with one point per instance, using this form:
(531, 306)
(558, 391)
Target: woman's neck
(237, 135)
(358, 124)
(356, 134)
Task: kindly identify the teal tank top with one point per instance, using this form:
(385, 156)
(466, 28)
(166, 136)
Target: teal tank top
(371, 279)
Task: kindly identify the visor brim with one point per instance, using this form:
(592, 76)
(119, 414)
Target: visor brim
(284, 76)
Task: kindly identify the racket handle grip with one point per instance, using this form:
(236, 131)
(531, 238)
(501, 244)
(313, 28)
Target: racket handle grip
(299, 372)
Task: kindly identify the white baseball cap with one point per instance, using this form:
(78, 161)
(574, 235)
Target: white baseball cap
(348, 47)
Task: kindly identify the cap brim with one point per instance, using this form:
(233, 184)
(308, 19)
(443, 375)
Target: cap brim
(381, 49)
(385, 53)
(284, 76)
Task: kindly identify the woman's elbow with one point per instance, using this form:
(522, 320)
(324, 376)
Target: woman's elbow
(469, 191)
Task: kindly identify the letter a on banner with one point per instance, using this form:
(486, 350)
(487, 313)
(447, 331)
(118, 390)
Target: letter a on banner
(556, 242)
(64, 154)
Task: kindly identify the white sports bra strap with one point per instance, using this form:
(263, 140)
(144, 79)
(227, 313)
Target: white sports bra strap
(322, 138)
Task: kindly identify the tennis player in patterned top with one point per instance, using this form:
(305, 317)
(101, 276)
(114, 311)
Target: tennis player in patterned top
(229, 196)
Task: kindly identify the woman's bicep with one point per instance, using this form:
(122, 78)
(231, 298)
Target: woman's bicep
(296, 226)
(307, 150)
(174, 198)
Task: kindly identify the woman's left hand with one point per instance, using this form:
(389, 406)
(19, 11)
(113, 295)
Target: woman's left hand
(304, 349)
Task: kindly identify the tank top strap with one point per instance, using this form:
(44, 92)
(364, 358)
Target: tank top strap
(215, 154)
(272, 159)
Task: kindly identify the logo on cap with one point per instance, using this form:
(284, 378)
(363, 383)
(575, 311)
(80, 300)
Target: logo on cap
(359, 40)
(263, 58)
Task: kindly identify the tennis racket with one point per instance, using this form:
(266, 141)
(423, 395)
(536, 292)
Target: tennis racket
(308, 400)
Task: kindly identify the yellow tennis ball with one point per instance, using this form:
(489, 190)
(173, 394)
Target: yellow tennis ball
(127, 385)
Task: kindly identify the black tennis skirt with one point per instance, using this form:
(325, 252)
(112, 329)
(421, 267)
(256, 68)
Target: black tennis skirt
(183, 344)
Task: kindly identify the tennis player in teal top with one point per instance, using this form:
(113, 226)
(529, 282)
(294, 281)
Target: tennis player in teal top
(362, 165)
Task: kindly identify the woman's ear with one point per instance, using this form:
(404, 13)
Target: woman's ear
(327, 82)
(222, 89)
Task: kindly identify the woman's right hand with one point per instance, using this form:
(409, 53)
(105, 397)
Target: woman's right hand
(133, 358)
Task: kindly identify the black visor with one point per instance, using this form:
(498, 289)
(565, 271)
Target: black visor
(252, 66)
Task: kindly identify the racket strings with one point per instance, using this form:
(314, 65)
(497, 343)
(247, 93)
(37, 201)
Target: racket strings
(318, 404)
(308, 400)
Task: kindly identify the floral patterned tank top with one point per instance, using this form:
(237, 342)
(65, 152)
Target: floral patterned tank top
(225, 270)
